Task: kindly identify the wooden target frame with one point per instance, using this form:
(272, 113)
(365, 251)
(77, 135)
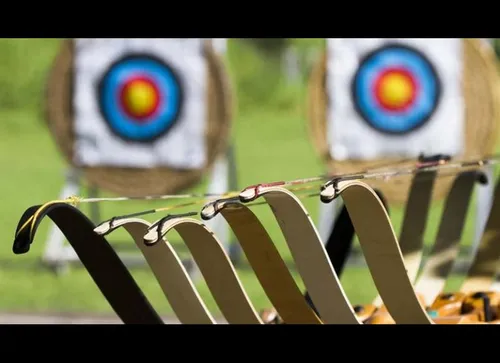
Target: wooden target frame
(139, 181)
(481, 86)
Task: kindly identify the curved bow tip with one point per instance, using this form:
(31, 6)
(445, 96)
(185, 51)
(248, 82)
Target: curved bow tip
(25, 231)
(208, 212)
(248, 195)
(151, 237)
(103, 228)
(21, 245)
(328, 193)
(22, 241)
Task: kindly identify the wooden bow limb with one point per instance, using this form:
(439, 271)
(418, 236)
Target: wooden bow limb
(309, 255)
(295, 310)
(445, 249)
(411, 239)
(432, 279)
(214, 265)
(265, 260)
(381, 250)
(168, 270)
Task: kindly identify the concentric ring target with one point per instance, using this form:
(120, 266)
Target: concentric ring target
(140, 98)
(396, 89)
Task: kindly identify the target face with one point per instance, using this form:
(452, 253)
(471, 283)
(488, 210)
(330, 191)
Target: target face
(396, 89)
(140, 98)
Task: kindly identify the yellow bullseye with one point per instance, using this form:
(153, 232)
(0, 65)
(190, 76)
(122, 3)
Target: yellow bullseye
(396, 90)
(140, 98)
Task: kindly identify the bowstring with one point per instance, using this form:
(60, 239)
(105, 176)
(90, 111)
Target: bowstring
(298, 190)
(293, 185)
(79, 200)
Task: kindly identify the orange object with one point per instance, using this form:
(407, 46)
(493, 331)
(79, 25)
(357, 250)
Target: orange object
(364, 312)
(484, 303)
(448, 304)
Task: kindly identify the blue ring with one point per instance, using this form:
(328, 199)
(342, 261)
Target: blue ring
(169, 87)
(424, 105)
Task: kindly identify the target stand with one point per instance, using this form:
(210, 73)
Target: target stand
(121, 110)
(375, 102)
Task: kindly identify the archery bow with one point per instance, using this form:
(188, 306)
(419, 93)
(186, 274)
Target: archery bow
(103, 264)
(168, 269)
(265, 260)
(439, 262)
(254, 192)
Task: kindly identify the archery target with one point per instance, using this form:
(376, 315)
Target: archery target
(140, 103)
(140, 98)
(394, 97)
(396, 89)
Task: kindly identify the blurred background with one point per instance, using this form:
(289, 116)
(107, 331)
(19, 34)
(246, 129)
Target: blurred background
(271, 143)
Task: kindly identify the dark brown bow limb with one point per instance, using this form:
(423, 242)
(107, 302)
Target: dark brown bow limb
(96, 254)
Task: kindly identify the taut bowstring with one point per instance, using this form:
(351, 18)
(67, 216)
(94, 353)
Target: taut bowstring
(438, 162)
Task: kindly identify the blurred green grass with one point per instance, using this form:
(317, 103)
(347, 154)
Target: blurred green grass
(271, 144)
